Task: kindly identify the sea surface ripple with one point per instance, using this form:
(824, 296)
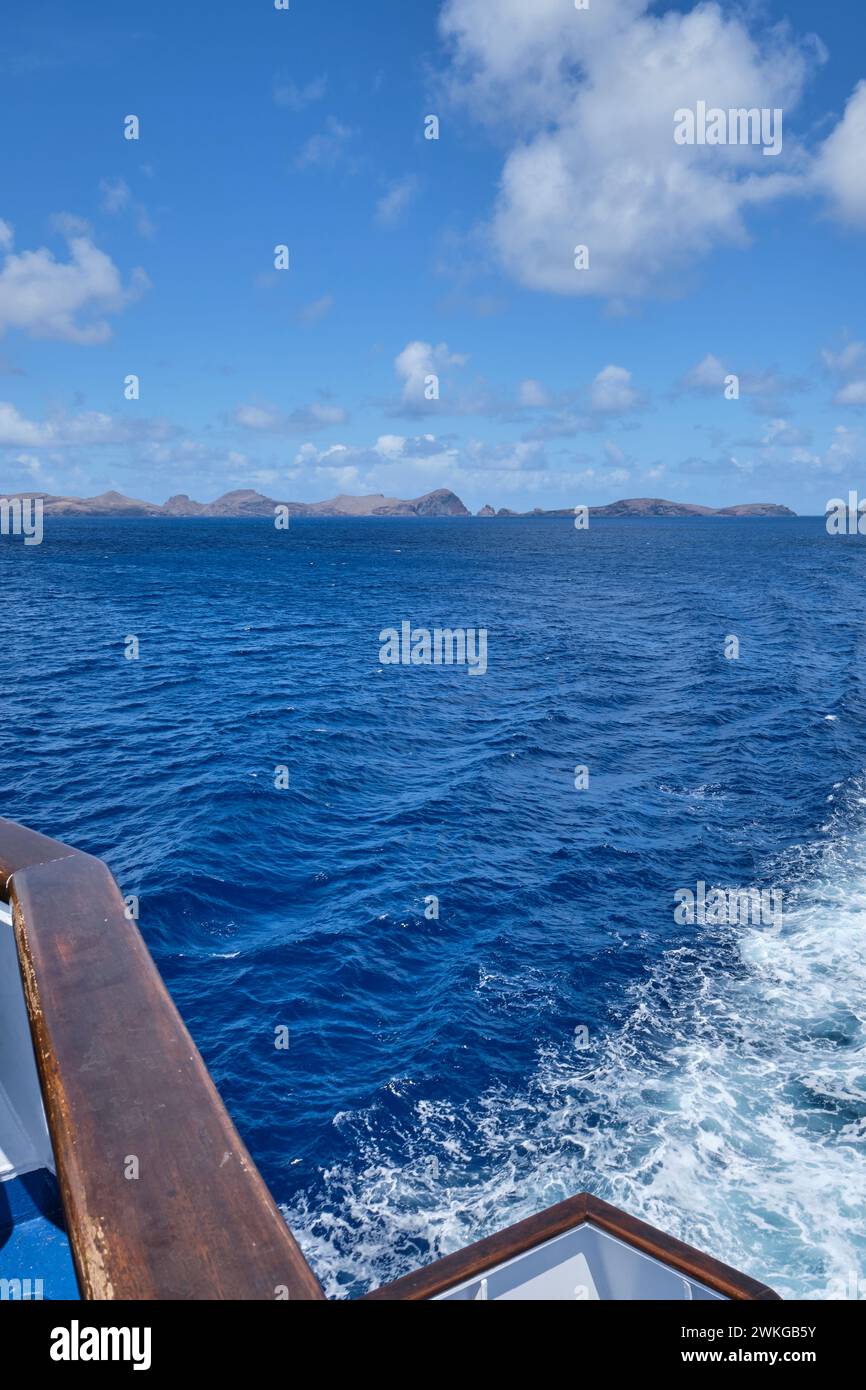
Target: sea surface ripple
(433, 1091)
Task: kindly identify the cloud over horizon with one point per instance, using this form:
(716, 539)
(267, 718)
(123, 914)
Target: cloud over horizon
(588, 124)
(64, 300)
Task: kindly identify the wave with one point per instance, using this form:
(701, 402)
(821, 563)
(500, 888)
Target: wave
(728, 1107)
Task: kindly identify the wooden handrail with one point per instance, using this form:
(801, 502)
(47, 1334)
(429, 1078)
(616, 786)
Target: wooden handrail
(484, 1255)
(126, 1092)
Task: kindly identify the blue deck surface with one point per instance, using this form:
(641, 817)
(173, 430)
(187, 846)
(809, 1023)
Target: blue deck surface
(35, 1259)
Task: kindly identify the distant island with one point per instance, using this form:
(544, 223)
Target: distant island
(244, 502)
(655, 506)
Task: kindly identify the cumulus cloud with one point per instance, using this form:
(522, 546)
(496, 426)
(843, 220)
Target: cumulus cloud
(372, 465)
(417, 364)
(408, 465)
(765, 388)
(393, 446)
(612, 392)
(589, 98)
(707, 375)
(841, 167)
(424, 369)
(419, 449)
(65, 300)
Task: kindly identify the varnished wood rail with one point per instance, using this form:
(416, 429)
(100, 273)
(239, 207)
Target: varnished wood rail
(126, 1091)
(475, 1260)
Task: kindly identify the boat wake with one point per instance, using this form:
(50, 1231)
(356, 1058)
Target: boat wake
(727, 1106)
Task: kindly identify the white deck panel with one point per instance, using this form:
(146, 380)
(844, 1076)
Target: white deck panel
(24, 1141)
(581, 1265)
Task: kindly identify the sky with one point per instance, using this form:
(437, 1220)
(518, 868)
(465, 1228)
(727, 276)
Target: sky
(432, 329)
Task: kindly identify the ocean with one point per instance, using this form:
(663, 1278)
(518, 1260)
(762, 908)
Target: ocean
(489, 1002)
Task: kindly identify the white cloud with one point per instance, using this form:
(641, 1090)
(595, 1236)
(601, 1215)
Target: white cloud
(532, 394)
(707, 375)
(269, 419)
(406, 466)
(333, 466)
(590, 97)
(782, 433)
(169, 453)
(841, 166)
(852, 394)
(525, 455)
(327, 414)
(764, 388)
(6, 235)
(391, 446)
(257, 417)
(844, 454)
(417, 363)
(64, 300)
(90, 428)
(393, 204)
(612, 391)
(15, 430)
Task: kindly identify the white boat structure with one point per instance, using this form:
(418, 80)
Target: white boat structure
(581, 1250)
(123, 1177)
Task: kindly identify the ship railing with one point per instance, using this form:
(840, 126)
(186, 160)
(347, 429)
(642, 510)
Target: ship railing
(161, 1198)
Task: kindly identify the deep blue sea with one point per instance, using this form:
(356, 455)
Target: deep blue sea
(437, 1086)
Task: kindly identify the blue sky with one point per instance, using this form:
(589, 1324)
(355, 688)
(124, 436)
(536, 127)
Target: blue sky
(412, 257)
